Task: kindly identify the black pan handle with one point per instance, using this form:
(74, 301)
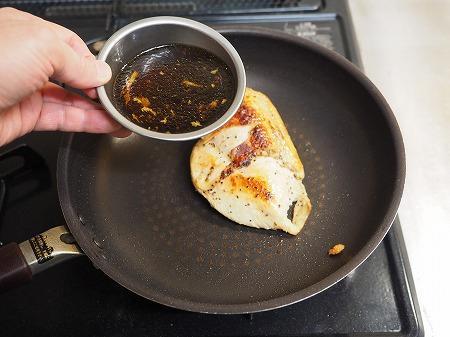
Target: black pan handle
(19, 262)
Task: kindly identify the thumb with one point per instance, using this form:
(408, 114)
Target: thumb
(81, 72)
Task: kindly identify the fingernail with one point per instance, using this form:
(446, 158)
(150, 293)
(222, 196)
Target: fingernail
(103, 71)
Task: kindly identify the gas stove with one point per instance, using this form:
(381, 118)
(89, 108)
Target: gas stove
(76, 299)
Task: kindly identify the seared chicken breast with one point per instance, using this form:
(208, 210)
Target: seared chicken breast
(249, 169)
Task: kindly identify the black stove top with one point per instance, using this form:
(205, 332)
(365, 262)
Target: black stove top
(76, 299)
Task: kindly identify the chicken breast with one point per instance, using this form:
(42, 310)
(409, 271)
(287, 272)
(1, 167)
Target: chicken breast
(249, 169)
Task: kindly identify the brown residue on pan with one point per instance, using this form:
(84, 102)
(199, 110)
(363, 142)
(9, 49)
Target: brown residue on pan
(336, 249)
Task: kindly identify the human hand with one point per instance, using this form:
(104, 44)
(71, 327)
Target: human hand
(33, 51)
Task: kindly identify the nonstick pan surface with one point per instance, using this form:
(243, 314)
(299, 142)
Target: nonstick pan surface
(133, 210)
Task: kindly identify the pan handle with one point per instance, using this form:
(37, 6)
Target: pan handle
(19, 262)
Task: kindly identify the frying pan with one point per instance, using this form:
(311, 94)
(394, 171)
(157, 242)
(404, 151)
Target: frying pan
(131, 207)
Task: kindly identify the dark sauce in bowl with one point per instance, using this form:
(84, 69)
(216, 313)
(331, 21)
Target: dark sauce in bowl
(174, 89)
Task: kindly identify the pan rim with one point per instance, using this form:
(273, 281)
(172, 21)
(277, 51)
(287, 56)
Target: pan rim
(305, 293)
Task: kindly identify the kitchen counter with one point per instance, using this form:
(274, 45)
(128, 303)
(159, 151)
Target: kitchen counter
(405, 50)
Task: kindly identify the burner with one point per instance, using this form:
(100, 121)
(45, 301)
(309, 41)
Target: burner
(19, 166)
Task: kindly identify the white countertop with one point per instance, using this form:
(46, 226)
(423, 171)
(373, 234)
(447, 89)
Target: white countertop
(405, 49)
